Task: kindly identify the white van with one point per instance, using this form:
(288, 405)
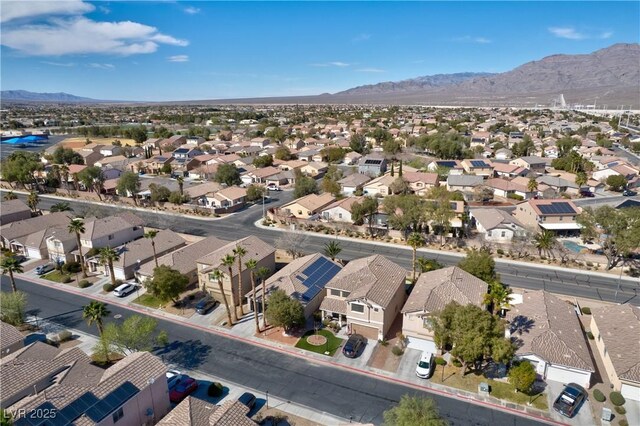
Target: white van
(425, 365)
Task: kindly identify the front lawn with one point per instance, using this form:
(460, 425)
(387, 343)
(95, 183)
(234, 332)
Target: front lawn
(332, 345)
(56, 276)
(148, 300)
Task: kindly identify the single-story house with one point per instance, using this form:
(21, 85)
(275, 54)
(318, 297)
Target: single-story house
(496, 225)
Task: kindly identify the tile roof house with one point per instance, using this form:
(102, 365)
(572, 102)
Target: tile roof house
(112, 231)
(478, 167)
(379, 186)
(496, 225)
(42, 377)
(367, 295)
(431, 293)
(261, 252)
(420, 182)
(14, 234)
(352, 183)
(340, 210)
(372, 165)
(11, 339)
(508, 170)
(506, 188)
(464, 183)
(557, 215)
(615, 329)
(533, 163)
(196, 412)
(307, 206)
(230, 199)
(547, 333)
(14, 210)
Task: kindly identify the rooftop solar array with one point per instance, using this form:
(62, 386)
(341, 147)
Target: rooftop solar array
(316, 276)
(376, 162)
(450, 164)
(479, 163)
(113, 400)
(556, 208)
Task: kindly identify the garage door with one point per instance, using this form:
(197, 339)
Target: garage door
(630, 392)
(366, 331)
(563, 375)
(422, 344)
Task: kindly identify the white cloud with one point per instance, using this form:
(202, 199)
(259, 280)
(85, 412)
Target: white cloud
(191, 10)
(567, 32)
(331, 64)
(60, 64)
(361, 37)
(81, 35)
(101, 66)
(178, 58)
(374, 70)
(606, 34)
(26, 9)
(469, 39)
(104, 9)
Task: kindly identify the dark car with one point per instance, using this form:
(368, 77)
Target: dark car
(587, 194)
(248, 399)
(629, 193)
(183, 389)
(205, 305)
(570, 400)
(353, 346)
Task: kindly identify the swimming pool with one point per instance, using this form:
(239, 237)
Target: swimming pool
(574, 247)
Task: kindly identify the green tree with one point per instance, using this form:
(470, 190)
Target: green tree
(581, 179)
(13, 307)
(332, 249)
(616, 182)
(304, 185)
(76, 226)
(283, 311)
(151, 235)
(107, 256)
(283, 153)
(32, 201)
(10, 265)
(545, 241)
(405, 211)
(95, 312)
(532, 185)
(159, 193)
(255, 192)
(365, 210)
(239, 252)
(136, 334)
(427, 265)
(332, 154)
(414, 411)
(391, 147)
(252, 264)
(129, 185)
(415, 241)
(358, 143)
(138, 134)
(93, 179)
(10, 196)
(180, 181)
(19, 168)
(66, 156)
(228, 174)
(480, 264)
(229, 261)
(522, 376)
(399, 186)
(167, 284)
(62, 206)
(218, 276)
(263, 161)
(497, 297)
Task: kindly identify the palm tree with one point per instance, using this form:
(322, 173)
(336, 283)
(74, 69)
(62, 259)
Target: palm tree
(10, 196)
(229, 261)
(545, 241)
(32, 201)
(107, 256)
(62, 206)
(332, 249)
(426, 265)
(415, 240)
(238, 252)
(94, 312)
(151, 235)
(180, 181)
(532, 185)
(262, 273)
(55, 172)
(76, 226)
(75, 179)
(64, 174)
(251, 266)
(581, 179)
(497, 297)
(10, 265)
(218, 275)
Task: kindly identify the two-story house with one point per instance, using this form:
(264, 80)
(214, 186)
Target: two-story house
(379, 186)
(14, 234)
(496, 225)
(535, 164)
(420, 183)
(372, 165)
(431, 293)
(366, 295)
(556, 215)
(478, 167)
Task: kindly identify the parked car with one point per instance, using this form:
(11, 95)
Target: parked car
(425, 365)
(205, 305)
(570, 400)
(124, 289)
(353, 346)
(43, 269)
(272, 187)
(248, 399)
(587, 194)
(20, 258)
(629, 193)
(173, 378)
(183, 389)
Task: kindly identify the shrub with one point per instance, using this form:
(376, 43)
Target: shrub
(620, 409)
(586, 310)
(71, 267)
(616, 398)
(64, 336)
(589, 263)
(397, 351)
(66, 279)
(623, 422)
(500, 251)
(515, 197)
(599, 396)
(108, 287)
(215, 389)
(84, 284)
(590, 335)
(383, 342)
(440, 361)
(326, 322)
(456, 362)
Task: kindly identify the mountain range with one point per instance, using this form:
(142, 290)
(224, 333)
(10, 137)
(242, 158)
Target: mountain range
(609, 76)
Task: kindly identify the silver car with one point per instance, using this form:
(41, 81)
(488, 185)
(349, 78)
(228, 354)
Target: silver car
(124, 289)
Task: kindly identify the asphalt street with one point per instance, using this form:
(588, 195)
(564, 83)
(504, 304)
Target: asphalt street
(324, 388)
(609, 288)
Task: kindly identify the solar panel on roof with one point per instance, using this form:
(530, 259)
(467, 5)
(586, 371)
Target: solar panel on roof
(450, 164)
(478, 163)
(112, 401)
(318, 274)
(556, 208)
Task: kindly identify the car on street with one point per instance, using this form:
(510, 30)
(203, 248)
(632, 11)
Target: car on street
(570, 400)
(173, 378)
(629, 193)
(43, 269)
(353, 346)
(272, 187)
(425, 365)
(183, 389)
(124, 289)
(205, 305)
(248, 399)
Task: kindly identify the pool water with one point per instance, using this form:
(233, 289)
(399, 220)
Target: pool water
(573, 246)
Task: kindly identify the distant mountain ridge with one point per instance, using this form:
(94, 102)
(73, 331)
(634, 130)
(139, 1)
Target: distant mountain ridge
(26, 96)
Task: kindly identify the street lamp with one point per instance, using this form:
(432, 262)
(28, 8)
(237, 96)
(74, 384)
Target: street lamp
(137, 286)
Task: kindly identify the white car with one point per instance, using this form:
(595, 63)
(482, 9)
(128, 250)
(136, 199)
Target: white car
(274, 188)
(425, 365)
(124, 289)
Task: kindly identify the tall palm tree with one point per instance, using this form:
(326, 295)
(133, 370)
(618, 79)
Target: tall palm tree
(94, 313)
(251, 266)
(581, 179)
(497, 297)
(76, 226)
(64, 175)
(32, 201)
(532, 185)
(55, 172)
(11, 265)
(262, 273)
(180, 181)
(239, 252)
(151, 235)
(228, 261)
(107, 256)
(10, 196)
(332, 249)
(415, 240)
(218, 276)
(62, 206)
(545, 241)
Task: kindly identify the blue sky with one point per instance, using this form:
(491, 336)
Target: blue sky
(153, 51)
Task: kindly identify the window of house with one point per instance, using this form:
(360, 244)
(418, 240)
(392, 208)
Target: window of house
(118, 414)
(560, 219)
(356, 307)
(335, 292)
(340, 215)
(111, 237)
(488, 233)
(346, 293)
(427, 323)
(503, 234)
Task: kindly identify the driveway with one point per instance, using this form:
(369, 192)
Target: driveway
(584, 416)
(407, 368)
(359, 362)
(633, 412)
